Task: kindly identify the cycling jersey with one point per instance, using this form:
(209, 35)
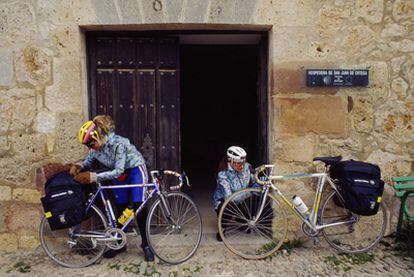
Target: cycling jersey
(117, 154)
(229, 181)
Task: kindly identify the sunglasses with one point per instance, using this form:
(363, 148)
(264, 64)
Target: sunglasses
(90, 143)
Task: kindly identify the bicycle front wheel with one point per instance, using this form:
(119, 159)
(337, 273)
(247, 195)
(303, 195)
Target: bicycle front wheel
(359, 235)
(244, 233)
(77, 246)
(174, 229)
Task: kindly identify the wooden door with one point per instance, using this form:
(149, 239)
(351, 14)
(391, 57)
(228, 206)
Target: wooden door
(135, 79)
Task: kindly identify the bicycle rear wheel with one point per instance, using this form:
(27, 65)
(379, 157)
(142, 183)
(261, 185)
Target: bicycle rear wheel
(174, 239)
(243, 235)
(75, 247)
(360, 235)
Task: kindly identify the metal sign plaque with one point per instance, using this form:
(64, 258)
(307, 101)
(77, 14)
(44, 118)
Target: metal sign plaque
(336, 77)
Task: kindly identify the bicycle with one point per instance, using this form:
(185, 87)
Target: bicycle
(173, 226)
(252, 223)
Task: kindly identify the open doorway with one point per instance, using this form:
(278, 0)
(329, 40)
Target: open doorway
(219, 108)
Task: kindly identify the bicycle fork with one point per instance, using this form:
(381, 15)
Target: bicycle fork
(262, 202)
(166, 209)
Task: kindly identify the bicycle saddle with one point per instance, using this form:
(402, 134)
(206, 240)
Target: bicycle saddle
(328, 160)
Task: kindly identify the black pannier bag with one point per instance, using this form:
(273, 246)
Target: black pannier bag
(360, 184)
(64, 201)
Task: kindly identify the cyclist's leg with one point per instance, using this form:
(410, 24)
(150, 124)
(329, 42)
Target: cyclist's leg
(138, 175)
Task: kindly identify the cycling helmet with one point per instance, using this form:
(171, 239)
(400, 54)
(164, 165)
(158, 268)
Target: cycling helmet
(236, 154)
(88, 132)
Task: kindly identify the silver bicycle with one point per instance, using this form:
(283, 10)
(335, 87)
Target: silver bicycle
(253, 223)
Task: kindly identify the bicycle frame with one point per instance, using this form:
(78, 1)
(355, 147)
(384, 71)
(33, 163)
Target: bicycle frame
(312, 222)
(154, 187)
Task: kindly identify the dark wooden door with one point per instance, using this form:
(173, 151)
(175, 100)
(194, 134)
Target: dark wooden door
(135, 79)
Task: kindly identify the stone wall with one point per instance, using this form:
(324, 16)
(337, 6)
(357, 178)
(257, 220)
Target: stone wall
(43, 89)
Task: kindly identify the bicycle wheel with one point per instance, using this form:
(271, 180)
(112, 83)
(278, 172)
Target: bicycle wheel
(74, 247)
(174, 240)
(246, 237)
(358, 236)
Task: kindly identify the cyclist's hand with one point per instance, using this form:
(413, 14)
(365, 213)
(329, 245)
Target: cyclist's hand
(86, 177)
(75, 169)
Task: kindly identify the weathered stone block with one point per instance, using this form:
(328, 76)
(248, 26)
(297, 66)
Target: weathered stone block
(392, 30)
(399, 86)
(196, 11)
(390, 164)
(65, 93)
(26, 195)
(130, 13)
(45, 122)
(331, 19)
(296, 149)
(321, 115)
(28, 242)
(29, 146)
(348, 148)
(295, 13)
(8, 242)
(363, 114)
(105, 11)
(395, 121)
(153, 11)
(370, 10)
(33, 66)
(17, 24)
(22, 217)
(22, 113)
(4, 145)
(174, 9)
(6, 68)
(2, 224)
(67, 146)
(402, 10)
(221, 11)
(358, 36)
(379, 79)
(5, 193)
(245, 10)
(405, 45)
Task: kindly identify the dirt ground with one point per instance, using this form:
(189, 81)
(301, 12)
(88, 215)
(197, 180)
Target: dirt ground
(213, 259)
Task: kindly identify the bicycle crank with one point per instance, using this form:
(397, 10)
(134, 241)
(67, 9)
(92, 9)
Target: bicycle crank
(115, 238)
(307, 231)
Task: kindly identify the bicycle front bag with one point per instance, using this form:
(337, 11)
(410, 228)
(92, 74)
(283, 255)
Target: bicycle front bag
(360, 185)
(64, 201)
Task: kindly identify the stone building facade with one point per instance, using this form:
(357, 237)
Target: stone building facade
(44, 90)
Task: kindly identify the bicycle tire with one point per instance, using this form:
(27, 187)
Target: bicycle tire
(178, 242)
(70, 251)
(351, 238)
(254, 241)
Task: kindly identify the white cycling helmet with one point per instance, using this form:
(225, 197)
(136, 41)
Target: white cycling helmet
(236, 154)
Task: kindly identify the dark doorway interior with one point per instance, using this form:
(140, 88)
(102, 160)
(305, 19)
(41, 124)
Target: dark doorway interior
(219, 107)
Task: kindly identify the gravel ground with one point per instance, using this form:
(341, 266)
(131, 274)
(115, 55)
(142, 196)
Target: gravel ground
(213, 259)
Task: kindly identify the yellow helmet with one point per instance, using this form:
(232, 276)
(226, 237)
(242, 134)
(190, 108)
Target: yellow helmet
(88, 132)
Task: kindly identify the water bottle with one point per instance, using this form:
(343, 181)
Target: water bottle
(300, 206)
(126, 214)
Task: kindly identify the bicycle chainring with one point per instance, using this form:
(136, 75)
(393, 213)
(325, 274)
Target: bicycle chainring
(116, 238)
(307, 231)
